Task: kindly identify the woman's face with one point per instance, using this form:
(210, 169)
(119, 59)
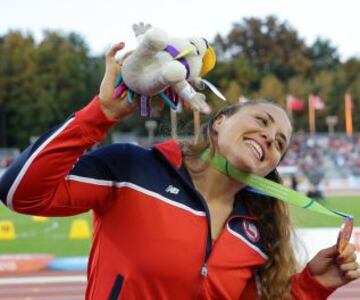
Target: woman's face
(255, 138)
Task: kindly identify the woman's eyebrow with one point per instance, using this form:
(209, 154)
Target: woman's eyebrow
(270, 117)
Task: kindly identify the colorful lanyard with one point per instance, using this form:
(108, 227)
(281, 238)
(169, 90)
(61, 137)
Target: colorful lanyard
(265, 186)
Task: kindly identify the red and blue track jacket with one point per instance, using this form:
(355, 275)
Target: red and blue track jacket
(151, 235)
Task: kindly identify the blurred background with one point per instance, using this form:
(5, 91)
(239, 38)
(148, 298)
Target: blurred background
(303, 55)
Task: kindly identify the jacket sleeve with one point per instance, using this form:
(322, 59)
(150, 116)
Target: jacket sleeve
(40, 181)
(305, 287)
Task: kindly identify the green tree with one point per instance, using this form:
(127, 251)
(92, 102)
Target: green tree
(17, 84)
(271, 89)
(272, 46)
(62, 65)
(42, 84)
(233, 92)
(323, 55)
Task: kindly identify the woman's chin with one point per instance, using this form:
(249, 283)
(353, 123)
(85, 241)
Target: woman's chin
(244, 163)
(246, 166)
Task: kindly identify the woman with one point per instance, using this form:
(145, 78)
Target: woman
(166, 224)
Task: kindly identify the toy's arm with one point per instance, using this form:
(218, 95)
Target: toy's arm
(195, 99)
(140, 30)
(198, 84)
(153, 41)
(174, 74)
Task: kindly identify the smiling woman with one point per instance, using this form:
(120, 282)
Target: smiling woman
(167, 225)
(253, 137)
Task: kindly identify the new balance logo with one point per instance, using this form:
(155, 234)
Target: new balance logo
(173, 190)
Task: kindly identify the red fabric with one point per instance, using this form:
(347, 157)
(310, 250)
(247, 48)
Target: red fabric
(93, 121)
(171, 150)
(156, 246)
(305, 287)
(44, 188)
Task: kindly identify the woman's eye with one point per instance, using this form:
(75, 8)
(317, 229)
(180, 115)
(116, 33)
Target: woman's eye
(262, 120)
(280, 145)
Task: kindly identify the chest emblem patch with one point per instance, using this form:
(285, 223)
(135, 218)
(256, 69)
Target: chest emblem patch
(251, 231)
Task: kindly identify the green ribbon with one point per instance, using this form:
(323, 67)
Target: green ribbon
(268, 187)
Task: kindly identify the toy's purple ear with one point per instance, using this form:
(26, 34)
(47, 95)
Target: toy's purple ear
(209, 61)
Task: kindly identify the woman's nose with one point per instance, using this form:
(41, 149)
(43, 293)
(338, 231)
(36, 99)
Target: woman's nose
(268, 136)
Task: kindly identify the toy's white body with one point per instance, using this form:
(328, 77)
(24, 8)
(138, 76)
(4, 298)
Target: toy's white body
(150, 69)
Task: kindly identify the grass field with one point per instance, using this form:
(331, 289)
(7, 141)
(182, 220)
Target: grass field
(346, 204)
(48, 237)
(52, 236)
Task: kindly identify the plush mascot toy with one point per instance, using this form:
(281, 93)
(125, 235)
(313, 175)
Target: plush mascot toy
(168, 68)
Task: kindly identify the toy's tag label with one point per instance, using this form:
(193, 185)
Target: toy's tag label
(144, 106)
(345, 234)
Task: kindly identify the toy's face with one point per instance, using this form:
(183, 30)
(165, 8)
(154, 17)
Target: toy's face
(207, 54)
(200, 57)
(194, 47)
(193, 51)
(199, 45)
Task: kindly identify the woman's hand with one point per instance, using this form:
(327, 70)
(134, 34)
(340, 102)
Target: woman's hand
(117, 108)
(334, 270)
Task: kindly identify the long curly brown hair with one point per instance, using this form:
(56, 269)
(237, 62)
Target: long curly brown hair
(273, 215)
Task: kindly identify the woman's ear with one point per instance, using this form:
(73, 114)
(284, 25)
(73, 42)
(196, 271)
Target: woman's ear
(218, 122)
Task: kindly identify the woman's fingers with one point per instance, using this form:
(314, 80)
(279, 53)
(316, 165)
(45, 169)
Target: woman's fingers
(352, 275)
(351, 266)
(113, 50)
(348, 254)
(351, 257)
(347, 263)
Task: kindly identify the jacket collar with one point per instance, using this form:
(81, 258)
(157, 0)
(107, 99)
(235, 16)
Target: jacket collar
(171, 151)
(241, 210)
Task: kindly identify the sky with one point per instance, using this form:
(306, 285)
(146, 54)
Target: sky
(103, 23)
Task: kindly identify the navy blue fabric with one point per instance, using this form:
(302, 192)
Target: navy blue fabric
(90, 166)
(149, 169)
(116, 289)
(125, 162)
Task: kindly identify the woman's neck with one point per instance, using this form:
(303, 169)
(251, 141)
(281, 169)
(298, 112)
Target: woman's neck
(212, 184)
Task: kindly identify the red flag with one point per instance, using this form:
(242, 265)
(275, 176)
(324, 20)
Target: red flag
(294, 103)
(317, 103)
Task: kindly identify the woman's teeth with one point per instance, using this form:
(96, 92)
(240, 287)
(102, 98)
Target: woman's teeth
(256, 148)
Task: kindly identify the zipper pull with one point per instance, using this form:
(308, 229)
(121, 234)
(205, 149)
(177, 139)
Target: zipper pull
(204, 270)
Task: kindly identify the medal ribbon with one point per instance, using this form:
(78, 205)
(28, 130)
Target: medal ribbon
(265, 186)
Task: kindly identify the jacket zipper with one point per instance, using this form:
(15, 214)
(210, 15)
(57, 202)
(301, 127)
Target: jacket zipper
(204, 267)
(204, 270)
(208, 245)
